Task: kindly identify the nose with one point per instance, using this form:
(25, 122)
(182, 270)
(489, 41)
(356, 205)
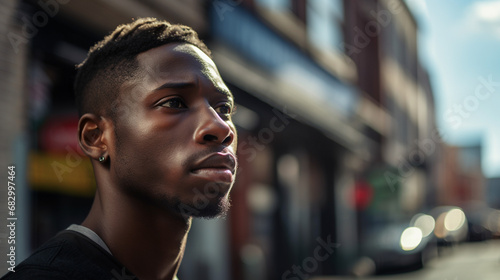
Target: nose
(212, 129)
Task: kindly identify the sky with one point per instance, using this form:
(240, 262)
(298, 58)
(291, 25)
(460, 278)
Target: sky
(459, 44)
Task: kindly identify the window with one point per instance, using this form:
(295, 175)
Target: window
(324, 23)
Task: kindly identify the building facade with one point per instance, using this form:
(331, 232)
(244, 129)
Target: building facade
(331, 99)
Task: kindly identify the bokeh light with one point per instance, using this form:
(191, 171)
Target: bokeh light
(411, 238)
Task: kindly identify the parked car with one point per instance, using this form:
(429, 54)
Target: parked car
(483, 221)
(397, 247)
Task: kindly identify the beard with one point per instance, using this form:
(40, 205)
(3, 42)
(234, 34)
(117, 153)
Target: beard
(207, 209)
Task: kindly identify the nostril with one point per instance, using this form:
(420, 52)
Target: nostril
(227, 140)
(210, 137)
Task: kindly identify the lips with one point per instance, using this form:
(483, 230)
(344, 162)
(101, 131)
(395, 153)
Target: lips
(218, 167)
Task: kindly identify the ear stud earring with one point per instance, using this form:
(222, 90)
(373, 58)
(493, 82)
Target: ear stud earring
(101, 158)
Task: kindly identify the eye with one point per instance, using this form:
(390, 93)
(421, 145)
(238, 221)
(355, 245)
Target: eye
(224, 109)
(174, 102)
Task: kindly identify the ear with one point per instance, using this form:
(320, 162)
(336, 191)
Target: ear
(91, 136)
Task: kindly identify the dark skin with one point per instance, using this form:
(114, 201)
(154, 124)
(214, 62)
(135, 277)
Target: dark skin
(172, 149)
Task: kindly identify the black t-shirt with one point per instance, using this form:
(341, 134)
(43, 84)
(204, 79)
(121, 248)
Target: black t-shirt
(70, 256)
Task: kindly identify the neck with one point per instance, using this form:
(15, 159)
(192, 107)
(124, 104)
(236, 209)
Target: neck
(148, 242)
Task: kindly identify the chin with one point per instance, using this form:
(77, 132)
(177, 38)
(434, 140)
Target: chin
(214, 210)
(212, 202)
(208, 209)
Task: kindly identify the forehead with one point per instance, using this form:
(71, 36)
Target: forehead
(178, 62)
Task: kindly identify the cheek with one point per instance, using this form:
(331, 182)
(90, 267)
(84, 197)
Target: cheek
(155, 152)
(143, 136)
(148, 152)
(150, 168)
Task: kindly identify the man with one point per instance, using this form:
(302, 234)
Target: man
(155, 120)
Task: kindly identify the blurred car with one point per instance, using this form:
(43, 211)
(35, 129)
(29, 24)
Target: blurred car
(396, 248)
(483, 221)
(401, 247)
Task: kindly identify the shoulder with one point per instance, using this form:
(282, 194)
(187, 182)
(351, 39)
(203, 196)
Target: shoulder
(66, 256)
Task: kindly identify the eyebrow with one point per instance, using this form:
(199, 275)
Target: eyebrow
(227, 93)
(167, 85)
(175, 85)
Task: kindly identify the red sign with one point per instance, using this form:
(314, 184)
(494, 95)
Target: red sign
(59, 134)
(363, 194)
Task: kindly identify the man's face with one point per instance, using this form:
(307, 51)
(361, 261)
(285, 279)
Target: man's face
(175, 142)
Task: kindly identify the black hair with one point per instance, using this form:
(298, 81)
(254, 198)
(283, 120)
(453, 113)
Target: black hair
(112, 61)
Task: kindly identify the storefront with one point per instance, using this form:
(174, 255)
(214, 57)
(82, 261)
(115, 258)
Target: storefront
(296, 140)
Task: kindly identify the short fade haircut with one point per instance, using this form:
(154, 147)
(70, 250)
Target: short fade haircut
(112, 61)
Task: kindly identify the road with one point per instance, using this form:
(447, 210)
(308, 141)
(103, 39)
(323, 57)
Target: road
(467, 261)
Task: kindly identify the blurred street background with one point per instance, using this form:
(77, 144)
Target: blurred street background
(367, 141)
(456, 265)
